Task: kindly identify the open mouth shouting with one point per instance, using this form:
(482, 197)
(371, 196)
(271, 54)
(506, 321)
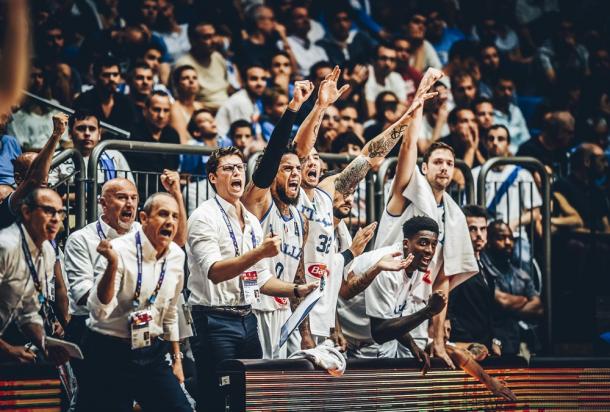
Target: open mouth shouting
(293, 187)
(166, 233)
(236, 184)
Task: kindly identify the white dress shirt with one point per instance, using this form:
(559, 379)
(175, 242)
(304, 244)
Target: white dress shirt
(18, 295)
(237, 107)
(209, 241)
(113, 318)
(306, 53)
(393, 82)
(80, 259)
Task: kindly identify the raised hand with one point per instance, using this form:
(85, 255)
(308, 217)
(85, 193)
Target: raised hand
(417, 103)
(328, 93)
(60, 124)
(105, 249)
(437, 302)
(431, 76)
(170, 179)
(390, 263)
(302, 91)
(362, 238)
(270, 246)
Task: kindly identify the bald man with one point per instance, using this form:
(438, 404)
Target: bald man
(21, 164)
(119, 205)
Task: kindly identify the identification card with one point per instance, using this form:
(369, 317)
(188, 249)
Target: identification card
(140, 328)
(51, 289)
(249, 284)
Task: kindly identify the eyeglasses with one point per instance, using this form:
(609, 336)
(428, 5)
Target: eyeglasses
(50, 211)
(388, 58)
(229, 168)
(328, 117)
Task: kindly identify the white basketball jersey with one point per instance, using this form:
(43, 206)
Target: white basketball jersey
(286, 263)
(319, 259)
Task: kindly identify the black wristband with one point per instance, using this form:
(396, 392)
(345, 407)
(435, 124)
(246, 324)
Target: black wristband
(348, 256)
(296, 291)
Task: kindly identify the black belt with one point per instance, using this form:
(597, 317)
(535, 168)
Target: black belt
(234, 311)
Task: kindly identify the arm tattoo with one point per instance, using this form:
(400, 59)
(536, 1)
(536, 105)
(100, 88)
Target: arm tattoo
(359, 284)
(381, 147)
(347, 180)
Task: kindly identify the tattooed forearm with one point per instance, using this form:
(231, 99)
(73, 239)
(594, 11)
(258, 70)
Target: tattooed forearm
(357, 284)
(380, 147)
(348, 179)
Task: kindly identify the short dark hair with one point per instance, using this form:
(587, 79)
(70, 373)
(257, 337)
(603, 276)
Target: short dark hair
(278, 53)
(81, 114)
(475, 211)
(105, 61)
(417, 224)
(271, 94)
(252, 65)
(494, 227)
(156, 93)
(460, 75)
(480, 100)
(191, 127)
(452, 119)
(191, 32)
(496, 127)
(343, 139)
(31, 199)
(437, 146)
(237, 124)
(218, 154)
(317, 66)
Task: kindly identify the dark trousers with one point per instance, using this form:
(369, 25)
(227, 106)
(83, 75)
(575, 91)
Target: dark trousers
(220, 337)
(114, 376)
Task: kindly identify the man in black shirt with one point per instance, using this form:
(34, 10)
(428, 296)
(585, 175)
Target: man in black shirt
(471, 303)
(104, 101)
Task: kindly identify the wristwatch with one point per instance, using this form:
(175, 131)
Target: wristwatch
(497, 342)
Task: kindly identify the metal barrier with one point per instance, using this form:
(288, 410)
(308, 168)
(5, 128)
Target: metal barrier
(112, 129)
(135, 146)
(536, 165)
(79, 184)
(456, 192)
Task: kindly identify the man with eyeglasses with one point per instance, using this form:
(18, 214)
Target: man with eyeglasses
(423, 54)
(226, 254)
(27, 279)
(384, 77)
(103, 100)
(245, 104)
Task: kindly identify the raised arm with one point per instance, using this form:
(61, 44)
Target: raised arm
(257, 196)
(15, 54)
(171, 182)
(407, 156)
(327, 95)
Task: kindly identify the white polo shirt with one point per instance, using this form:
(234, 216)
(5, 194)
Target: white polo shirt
(209, 241)
(80, 259)
(113, 318)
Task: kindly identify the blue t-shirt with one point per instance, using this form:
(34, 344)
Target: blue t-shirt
(443, 46)
(9, 150)
(196, 164)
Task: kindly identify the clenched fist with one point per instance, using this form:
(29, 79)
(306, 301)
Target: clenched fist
(60, 124)
(437, 302)
(270, 246)
(105, 249)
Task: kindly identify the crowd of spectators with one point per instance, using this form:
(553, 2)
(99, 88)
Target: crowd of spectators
(521, 79)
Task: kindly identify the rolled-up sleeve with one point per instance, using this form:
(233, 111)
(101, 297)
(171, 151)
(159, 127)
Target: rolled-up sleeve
(79, 267)
(203, 240)
(171, 330)
(29, 310)
(98, 309)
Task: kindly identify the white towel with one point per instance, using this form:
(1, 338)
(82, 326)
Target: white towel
(458, 255)
(325, 356)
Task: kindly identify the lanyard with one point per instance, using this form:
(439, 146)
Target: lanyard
(31, 267)
(100, 232)
(136, 295)
(230, 229)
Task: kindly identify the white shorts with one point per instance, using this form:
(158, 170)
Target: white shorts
(269, 327)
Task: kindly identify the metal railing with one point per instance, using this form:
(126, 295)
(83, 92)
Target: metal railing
(79, 184)
(535, 165)
(389, 165)
(106, 126)
(131, 146)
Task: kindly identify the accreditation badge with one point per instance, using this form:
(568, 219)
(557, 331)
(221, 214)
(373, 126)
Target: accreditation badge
(249, 284)
(140, 328)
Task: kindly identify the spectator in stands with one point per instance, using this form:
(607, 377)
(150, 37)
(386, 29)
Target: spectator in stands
(383, 77)
(24, 285)
(104, 100)
(141, 81)
(463, 89)
(351, 144)
(173, 34)
(551, 146)
(241, 134)
(511, 195)
(204, 132)
(152, 54)
(588, 163)
(462, 58)
(440, 35)
(34, 176)
(154, 128)
(508, 113)
(484, 111)
(343, 42)
(516, 296)
(303, 38)
(32, 124)
(186, 88)
(143, 375)
(471, 304)
(387, 111)
(412, 77)
(423, 54)
(9, 151)
(209, 64)
(281, 72)
(246, 103)
(489, 61)
(436, 111)
(464, 136)
(329, 129)
(85, 132)
(275, 102)
(348, 118)
(347, 143)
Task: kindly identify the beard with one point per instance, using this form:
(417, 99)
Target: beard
(339, 214)
(283, 197)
